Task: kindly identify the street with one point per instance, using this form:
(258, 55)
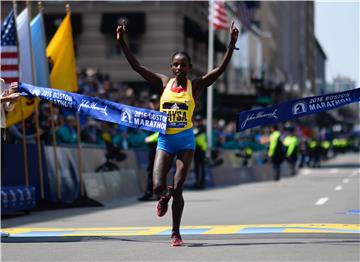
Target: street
(313, 216)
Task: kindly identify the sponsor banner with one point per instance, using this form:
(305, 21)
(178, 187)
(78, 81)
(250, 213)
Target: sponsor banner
(295, 108)
(100, 109)
(17, 198)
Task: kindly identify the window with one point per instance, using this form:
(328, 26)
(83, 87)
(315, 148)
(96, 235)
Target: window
(110, 21)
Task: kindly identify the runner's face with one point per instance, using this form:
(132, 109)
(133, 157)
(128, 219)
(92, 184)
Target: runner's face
(180, 66)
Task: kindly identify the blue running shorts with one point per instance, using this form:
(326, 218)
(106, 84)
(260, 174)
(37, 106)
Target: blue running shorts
(175, 143)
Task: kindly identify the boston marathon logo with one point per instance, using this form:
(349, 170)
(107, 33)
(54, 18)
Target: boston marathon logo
(126, 116)
(143, 119)
(299, 108)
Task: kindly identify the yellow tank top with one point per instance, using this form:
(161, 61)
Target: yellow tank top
(179, 106)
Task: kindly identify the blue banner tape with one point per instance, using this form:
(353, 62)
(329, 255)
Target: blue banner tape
(294, 109)
(100, 109)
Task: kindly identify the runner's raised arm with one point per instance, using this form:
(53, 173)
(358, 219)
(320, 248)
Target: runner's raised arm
(154, 79)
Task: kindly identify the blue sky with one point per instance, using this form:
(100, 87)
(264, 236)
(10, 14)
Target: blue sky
(337, 28)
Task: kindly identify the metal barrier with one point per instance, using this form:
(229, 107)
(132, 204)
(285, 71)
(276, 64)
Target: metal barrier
(113, 179)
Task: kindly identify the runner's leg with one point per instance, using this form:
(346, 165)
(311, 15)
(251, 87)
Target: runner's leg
(183, 163)
(162, 165)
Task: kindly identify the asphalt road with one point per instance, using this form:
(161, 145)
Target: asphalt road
(315, 197)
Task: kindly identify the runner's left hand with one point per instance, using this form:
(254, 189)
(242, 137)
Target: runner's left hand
(234, 33)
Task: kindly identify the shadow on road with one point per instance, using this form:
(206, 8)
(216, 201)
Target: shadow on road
(273, 243)
(62, 239)
(234, 240)
(343, 165)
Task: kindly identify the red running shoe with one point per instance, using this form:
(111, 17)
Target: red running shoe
(176, 240)
(162, 205)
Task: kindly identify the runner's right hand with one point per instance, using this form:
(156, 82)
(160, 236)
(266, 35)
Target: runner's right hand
(120, 30)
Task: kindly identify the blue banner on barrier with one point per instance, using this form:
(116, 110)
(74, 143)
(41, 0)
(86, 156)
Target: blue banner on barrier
(17, 198)
(295, 108)
(100, 109)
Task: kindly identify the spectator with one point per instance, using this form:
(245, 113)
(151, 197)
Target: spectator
(136, 139)
(276, 151)
(315, 152)
(304, 153)
(67, 134)
(200, 152)
(8, 99)
(16, 131)
(91, 132)
(291, 142)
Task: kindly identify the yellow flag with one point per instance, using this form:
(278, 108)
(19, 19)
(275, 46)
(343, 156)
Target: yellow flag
(26, 105)
(60, 52)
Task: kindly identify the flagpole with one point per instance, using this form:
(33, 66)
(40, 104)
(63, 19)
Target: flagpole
(68, 11)
(79, 154)
(26, 169)
(40, 7)
(37, 115)
(52, 123)
(58, 180)
(209, 111)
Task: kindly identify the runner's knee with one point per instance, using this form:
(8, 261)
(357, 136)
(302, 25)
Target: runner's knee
(177, 193)
(158, 189)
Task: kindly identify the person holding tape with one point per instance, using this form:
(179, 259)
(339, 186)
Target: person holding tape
(178, 101)
(8, 99)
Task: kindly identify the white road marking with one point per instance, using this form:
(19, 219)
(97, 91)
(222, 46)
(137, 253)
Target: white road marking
(338, 188)
(321, 201)
(305, 172)
(333, 170)
(346, 180)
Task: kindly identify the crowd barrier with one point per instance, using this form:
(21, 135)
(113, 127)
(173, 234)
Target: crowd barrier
(233, 171)
(17, 198)
(63, 186)
(129, 179)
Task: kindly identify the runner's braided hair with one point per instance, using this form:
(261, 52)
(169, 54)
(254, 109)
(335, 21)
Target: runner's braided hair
(183, 53)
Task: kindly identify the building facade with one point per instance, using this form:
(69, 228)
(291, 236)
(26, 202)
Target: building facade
(155, 30)
(320, 59)
(289, 52)
(280, 64)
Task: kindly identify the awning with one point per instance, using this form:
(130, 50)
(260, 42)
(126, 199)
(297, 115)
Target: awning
(135, 22)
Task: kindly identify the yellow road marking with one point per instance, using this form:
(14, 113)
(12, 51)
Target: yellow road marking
(209, 230)
(225, 230)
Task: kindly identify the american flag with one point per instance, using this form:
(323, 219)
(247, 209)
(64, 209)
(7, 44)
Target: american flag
(9, 50)
(246, 14)
(219, 20)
